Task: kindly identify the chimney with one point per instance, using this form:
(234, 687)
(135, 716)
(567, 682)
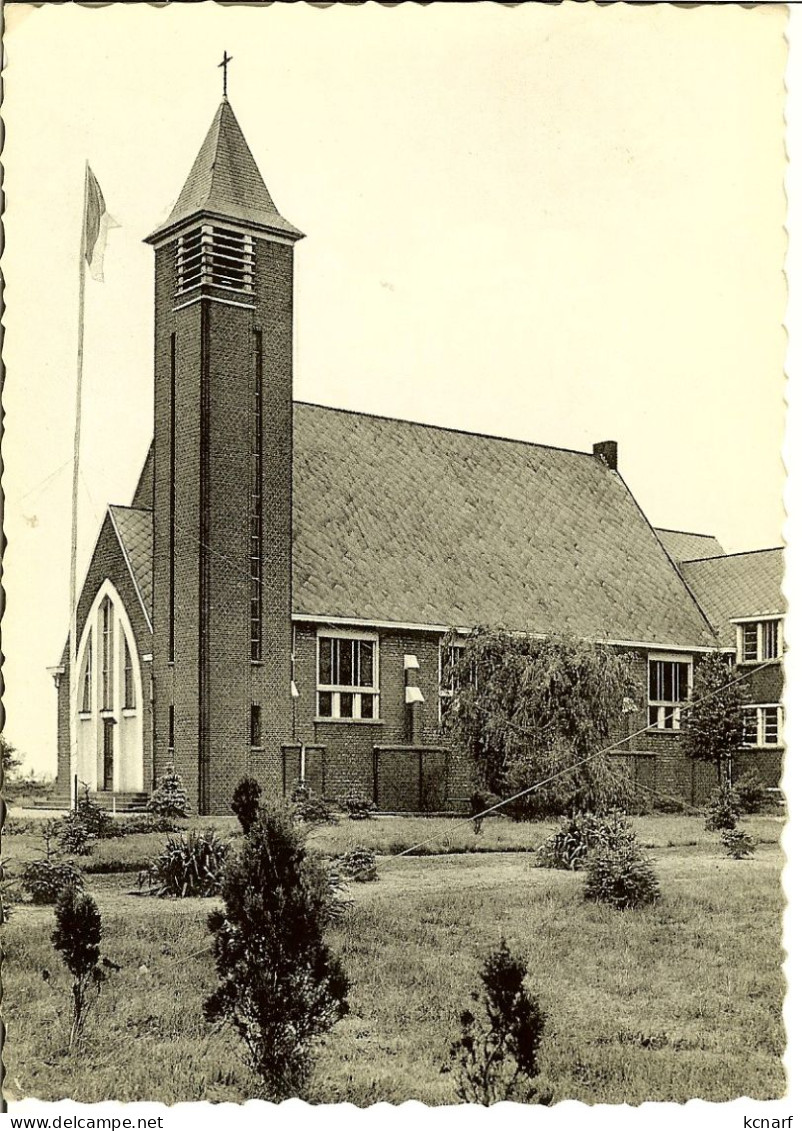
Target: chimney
(607, 452)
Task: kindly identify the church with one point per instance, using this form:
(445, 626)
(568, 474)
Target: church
(276, 598)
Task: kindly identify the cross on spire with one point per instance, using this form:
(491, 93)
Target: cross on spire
(224, 64)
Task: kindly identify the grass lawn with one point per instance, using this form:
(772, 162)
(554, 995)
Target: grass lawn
(680, 1000)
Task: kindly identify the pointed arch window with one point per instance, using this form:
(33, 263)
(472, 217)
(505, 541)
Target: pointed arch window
(86, 687)
(107, 654)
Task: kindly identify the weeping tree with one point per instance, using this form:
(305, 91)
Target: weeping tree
(712, 722)
(528, 709)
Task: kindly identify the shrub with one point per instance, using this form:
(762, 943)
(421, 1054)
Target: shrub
(358, 807)
(737, 843)
(280, 987)
(245, 802)
(74, 837)
(44, 880)
(723, 809)
(621, 876)
(480, 801)
(10, 894)
(581, 834)
(98, 823)
(190, 865)
(750, 791)
(358, 864)
(169, 799)
(498, 1054)
(311, 810)
(78, 935)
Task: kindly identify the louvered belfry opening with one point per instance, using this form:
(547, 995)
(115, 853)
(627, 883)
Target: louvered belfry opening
(211, 256)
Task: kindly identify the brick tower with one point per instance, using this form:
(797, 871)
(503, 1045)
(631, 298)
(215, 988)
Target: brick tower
(222, 506)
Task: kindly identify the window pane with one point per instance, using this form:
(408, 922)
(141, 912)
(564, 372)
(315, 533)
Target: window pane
(749, 641)
(770, 640)
(682, 682)
(368, 706)
(750, 727)
(324, 675)
(655, 679)
(771, 726)
(256, 725)
(366, 664)
(346, 705)
(324, 705)
(654, 716)
(346, 675)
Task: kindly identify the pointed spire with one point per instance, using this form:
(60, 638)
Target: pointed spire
(225, 182)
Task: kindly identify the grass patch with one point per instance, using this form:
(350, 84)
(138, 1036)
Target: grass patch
(676, 1001)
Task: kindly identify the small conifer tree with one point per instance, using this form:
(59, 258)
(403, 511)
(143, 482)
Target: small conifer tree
(245, 802)
(280, 986)
(78, 936)
(169, 799)
(498, 1053)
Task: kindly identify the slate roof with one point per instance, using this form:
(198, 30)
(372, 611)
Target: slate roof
(134, 529)
(225, 181)
(684, 546)
(737, 585)
(413, 524)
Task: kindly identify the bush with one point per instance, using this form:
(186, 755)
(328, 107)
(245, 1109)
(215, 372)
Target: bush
(621, 876)
(480, 801)
(737, 843)
(10, 894)
(723, 809)
(190, 865)
(245, 802)
(169, 799)
(358, 864)
(99, 824)
(281, 989)
(581, 834)
(311, 810)
(44, 880)
(78, 935)
(750, 791)
(74, 837)
(358, 807)
(498, 1053)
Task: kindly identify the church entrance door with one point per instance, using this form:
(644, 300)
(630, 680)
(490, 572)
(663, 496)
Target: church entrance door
(108, 754)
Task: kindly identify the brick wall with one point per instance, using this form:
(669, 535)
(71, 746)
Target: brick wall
(212, 681)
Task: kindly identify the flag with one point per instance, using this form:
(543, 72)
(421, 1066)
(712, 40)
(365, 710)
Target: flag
(97, 221)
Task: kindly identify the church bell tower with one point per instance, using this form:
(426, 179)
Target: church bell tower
(222, 506)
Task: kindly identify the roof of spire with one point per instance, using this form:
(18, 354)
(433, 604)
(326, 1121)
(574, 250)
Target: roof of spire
(225, 181)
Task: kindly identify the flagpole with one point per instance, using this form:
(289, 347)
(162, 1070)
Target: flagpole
(79, 368)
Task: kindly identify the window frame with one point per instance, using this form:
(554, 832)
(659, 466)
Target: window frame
(445, 694)
(760, 742)
(337, 690)
(760, 625)
(88, 677)
(667, 709)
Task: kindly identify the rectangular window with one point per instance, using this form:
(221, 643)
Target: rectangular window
(762, 725)
(256, 506)
(347, 677)
(171, 728)
(129, 689)
(450, 656)
(86, 690)
(669, 688)
(759, 641)
(256, 725)
(171, 563)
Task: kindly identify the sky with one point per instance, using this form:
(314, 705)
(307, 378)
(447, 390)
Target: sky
(560, 224)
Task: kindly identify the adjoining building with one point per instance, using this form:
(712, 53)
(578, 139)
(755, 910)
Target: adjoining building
(275, 599)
